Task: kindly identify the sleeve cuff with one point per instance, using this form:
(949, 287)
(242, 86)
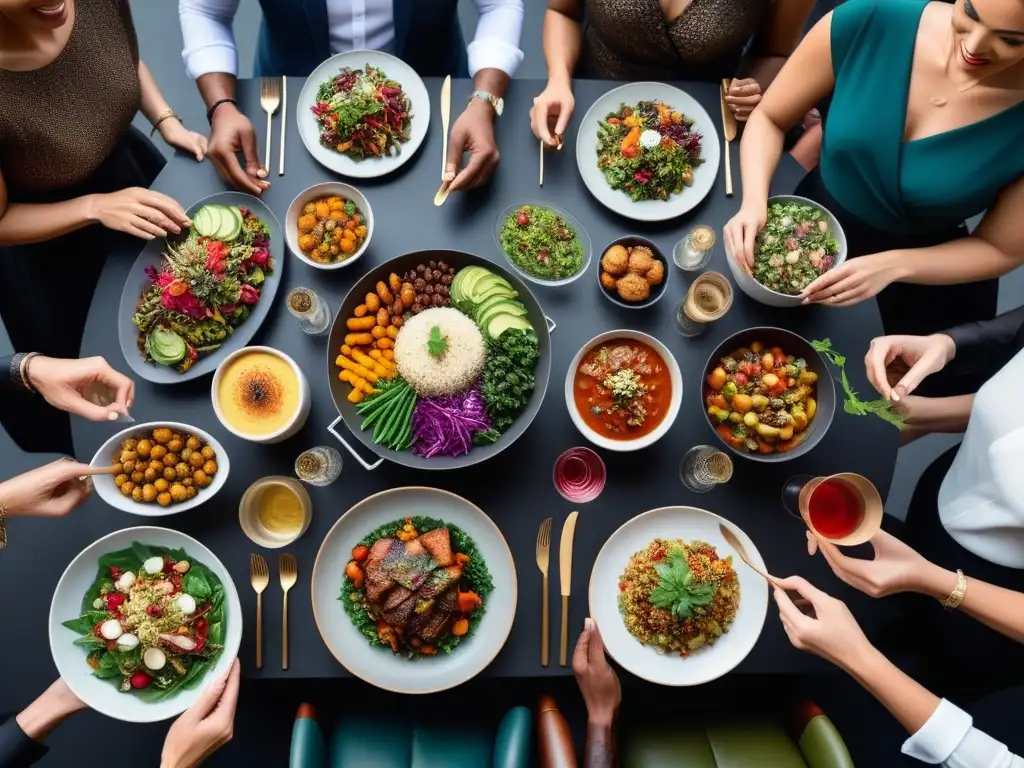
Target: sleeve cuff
(940, 735)
(491, 53)
(16, 748)
(218, 57)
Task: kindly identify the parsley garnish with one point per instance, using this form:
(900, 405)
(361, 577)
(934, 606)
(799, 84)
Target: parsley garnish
(436, 344)
(678, 592)
(882, 408)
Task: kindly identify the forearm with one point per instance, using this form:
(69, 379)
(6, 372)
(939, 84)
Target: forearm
(967, 260)
(906, 699)
(760, 150)
(942, 414)
(214, 86)
(562, 41)
(24, 223)
(43, 715)
(995, 607)
(491, 80)
(987, 345)
(153, 102)
(600, 748)
(762, 68)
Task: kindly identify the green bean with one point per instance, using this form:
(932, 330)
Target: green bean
(381, 413)
(391, 430)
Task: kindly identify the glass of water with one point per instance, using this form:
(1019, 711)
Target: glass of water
(704, 467)
(693, 252)
(318, 466)
(313, 314)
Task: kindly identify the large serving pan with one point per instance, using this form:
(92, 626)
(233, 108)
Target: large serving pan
(340, 390)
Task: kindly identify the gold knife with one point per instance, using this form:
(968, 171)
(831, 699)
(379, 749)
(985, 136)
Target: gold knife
(729, 130)
(565, 568)
(446, 113)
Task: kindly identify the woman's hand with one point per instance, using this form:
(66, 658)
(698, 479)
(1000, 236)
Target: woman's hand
(61, 383)
(598, 682)
(743, 95)
(206, 726)
(740, 233)
(140, 212)
(549, 116)
(52, 490)
(895, 567)
(832, 633)
(177, 135)
(853, 281)
(907, 359)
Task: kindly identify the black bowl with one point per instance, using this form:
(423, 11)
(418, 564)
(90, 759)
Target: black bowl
(657, 291)
(824, 388)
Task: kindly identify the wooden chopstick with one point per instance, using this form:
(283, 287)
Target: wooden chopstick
(111, 470)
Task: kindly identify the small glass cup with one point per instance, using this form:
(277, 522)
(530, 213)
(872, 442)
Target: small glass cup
(708, 299)
(693, 252)
(703, 467)
(313, 313)
(318, 466)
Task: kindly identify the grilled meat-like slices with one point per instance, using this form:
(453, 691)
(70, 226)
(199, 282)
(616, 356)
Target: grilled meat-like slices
(396, 597)
(438, 543)
(440, 580)
(398, 614)
(378, 580)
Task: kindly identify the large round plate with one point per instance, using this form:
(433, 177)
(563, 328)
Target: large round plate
(394, 68)
(104, 695)
(379, 666)
(151, 256)
(618, 201)
(706, 664)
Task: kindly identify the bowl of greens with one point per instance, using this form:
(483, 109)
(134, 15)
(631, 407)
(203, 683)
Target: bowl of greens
(543, 243)
(142, 620)
(801, 240)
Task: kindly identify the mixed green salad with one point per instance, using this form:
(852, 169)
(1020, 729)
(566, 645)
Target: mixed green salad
(794, 248)
(541, 243)
(153, 621)
(648, 150)
(363, 113)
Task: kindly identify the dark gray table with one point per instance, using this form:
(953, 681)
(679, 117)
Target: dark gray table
(515, 489)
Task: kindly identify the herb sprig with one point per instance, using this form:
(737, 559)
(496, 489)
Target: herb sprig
(437, 344)
(853, 405)
(678, 592)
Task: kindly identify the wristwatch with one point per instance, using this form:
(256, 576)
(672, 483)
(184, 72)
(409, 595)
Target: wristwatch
(495, 101)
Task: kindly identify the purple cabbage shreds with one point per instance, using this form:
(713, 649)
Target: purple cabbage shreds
(445, 426)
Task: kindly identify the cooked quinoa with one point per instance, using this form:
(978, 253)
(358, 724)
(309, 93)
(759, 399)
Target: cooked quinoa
(456, 368)
(658, 627)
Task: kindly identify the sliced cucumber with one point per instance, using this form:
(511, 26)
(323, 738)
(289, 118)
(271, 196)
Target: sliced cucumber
(236, 216)
(165, 346)
(206, 221)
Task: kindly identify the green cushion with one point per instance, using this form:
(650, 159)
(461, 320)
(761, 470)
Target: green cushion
(749, 742)
(307, 745)
(667, 747)
(450, 746)
(822, 745)
(359, 742)
(512, 744)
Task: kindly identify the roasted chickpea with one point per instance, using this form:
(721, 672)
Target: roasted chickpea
(150, 474)
(120, 480)
(127, 488)
(118, 469)
(207, 452)
(161, 485)
(138, 477)
(175, 445)
(186, 454)
(187, 481)
(158, 452)
(129, 444)
(144, 447)
(438, 300)
(128, 466)
(128, 456)
(191, 491)
(162, 435)
(157, 465)
(181, 469)
(210, 467)
(137, 494)
(194, 443)
(163, 499)
(149, 493)
(197, 460)
(169, 474)
(201, 479)
(170, 459)
(178, 492)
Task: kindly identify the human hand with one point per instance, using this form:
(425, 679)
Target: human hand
(52, 490)
(61, 383)
(177, 135)
(743, 95)
(907, 359)
(206, 726)
(740, 233)
(895, 567)
(137, 211)
(473, 132)
(598, 682)
(551, 110)
(230, 133)
(853, 281)
(832, 633)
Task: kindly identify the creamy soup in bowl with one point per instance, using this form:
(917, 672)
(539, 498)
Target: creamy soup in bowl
(260, 394)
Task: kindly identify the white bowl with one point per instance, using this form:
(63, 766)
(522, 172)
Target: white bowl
(104, 484)
(760, 293)
(308, 195)
(301, 413)
(582, 239)
(651, 437)
(705, 664)
(104, 695)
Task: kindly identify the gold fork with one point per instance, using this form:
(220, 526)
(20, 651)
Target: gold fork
(543, 559)
(289, 575)
(270, 100)
(259, 577)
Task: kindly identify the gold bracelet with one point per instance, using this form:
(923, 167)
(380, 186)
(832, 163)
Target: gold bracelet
(26, 361)
(956, 597)
(166, 114)
(3, 525)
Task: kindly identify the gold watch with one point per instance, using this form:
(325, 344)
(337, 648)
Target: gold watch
(956, 597)
(495, 101)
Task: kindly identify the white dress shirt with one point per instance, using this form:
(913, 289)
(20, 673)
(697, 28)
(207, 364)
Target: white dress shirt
(354, 25)
(950, 739)
(980, 501)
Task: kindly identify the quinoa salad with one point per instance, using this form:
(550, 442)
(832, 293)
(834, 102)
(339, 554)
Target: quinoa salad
(794, 248)
(678, 596)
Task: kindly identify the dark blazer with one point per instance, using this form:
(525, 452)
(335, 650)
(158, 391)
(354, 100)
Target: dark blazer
(16, 749)
(985, 347)
(294, 37)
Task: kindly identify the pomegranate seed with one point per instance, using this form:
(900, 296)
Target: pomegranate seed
(113, 601)
(140, 680)
(169, 566)
(523, 219)
(115, 572)
(155, 611)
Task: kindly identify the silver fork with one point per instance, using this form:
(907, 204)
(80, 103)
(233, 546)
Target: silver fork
(270, 100)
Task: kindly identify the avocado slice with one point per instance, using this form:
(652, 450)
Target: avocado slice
(165, 346)
(501, 306)
(482, 287)
(500, 323)
(456, 290)
(481, 309)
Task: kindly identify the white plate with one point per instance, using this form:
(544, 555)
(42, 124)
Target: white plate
(706, 664)
(379, 666)
(104, 695)
(315, 192)
(618, 201)
(395, 69)
(104, 484)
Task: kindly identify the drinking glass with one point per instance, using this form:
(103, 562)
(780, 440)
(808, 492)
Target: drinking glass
(708, 298)
(844, 509)
(313, 313)
(693, 252)
(704, 467)
(318, 466)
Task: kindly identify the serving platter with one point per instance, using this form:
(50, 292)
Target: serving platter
(138, 281)
(648, 210)
(396, 70)
(378, 665)
(705, 664)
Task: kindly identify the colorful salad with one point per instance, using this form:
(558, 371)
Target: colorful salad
(794, 248)
(203, 289)
(153, 621)
(541, 243)
(648, 150)
(362, 113)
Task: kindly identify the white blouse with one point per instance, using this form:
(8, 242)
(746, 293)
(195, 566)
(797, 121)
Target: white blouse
(950, 739)
(981, 501)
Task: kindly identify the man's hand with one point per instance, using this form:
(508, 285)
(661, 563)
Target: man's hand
(598, 682)
(473, 132)
(231, 133)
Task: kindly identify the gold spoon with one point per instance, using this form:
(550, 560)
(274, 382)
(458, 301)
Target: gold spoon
(798, 600)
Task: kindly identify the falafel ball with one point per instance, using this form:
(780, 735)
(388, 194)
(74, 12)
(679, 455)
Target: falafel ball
(640, 260)
(656, 273)
(632, 287)
(615, 260)
(607, 281)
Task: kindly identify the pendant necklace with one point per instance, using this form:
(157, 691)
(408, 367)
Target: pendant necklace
(937, 100)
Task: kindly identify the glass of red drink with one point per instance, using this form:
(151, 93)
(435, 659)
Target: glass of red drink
(845, 509)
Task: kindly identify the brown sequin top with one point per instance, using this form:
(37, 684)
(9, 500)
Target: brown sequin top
(631, 40)
(59, 123)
